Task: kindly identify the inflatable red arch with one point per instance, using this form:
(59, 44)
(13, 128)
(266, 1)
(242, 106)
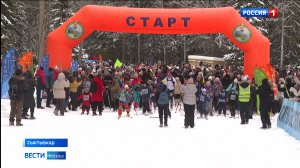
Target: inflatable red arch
(227, 21)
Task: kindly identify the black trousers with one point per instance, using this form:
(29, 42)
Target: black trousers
(73, 102)
(146, 107)
(60, 106)
(49, 97)
(222, 107)
(189, 119)
(97, 105)
(163, 113)
(25, 110)
(264, 116)
(232, 108)
(245, 108)
(39, 97)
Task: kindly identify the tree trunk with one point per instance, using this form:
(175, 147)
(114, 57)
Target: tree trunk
(123, 47)
(282, 35)
(139, 46)
(184, 48)
(41, 30)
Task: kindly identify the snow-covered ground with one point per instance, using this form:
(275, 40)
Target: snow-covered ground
(138, 142)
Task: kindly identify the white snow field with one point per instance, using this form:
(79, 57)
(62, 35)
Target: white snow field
(138, 142)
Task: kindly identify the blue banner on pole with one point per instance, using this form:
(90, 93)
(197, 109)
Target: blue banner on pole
(74, 65)
(45, 64)
(8, 68)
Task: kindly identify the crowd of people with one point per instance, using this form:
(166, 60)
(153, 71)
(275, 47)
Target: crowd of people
(210, 90)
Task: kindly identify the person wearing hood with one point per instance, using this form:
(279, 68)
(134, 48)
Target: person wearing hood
(244, 92)
(266, 96)
(41, 85)
(29, 102)
(162, 100)
(189, 101)
(59, 93)
(16, 96)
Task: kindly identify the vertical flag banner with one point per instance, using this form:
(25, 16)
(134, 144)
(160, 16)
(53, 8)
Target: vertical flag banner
(74, 65)
(8, 68)
(26, 61)
(45, 64)
(259, 75)
(118, 63)
(100, 58)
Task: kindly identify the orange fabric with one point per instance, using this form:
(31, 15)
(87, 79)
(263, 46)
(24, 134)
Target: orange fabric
(100, 58)
(26, 61)
(157, 21)
(120, 109)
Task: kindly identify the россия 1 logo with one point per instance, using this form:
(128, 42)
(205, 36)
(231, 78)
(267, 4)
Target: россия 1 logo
(259, 12)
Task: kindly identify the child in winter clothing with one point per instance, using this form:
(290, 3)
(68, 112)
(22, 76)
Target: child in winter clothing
(73, 93)
(145, 97)
(222, 102)
(124, 99)
(177, 92)
(209, 93)
(233, 99)
(204, 99)
(86, 101)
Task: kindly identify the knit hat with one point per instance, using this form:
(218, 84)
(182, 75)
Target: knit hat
(245, 78)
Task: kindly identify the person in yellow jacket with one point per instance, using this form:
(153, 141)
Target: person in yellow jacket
(73, 93)
(245, 91)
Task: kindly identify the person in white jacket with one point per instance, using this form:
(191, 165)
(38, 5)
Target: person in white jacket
(189, 101)
(59, 93)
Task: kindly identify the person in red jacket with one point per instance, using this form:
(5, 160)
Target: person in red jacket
(86, 101)
(41, 85)
(97, 97)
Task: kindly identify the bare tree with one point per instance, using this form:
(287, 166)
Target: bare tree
(41, 30)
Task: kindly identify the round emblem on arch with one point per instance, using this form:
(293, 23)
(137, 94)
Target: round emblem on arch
(74, 30)
(242, 33)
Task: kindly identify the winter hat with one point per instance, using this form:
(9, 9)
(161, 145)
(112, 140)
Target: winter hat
(18, 72)
(281, 80)
(210, 78)
(190, 81)
(245, 78)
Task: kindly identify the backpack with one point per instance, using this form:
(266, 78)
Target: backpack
(13, 91)
(94, 87)
(163, 98)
